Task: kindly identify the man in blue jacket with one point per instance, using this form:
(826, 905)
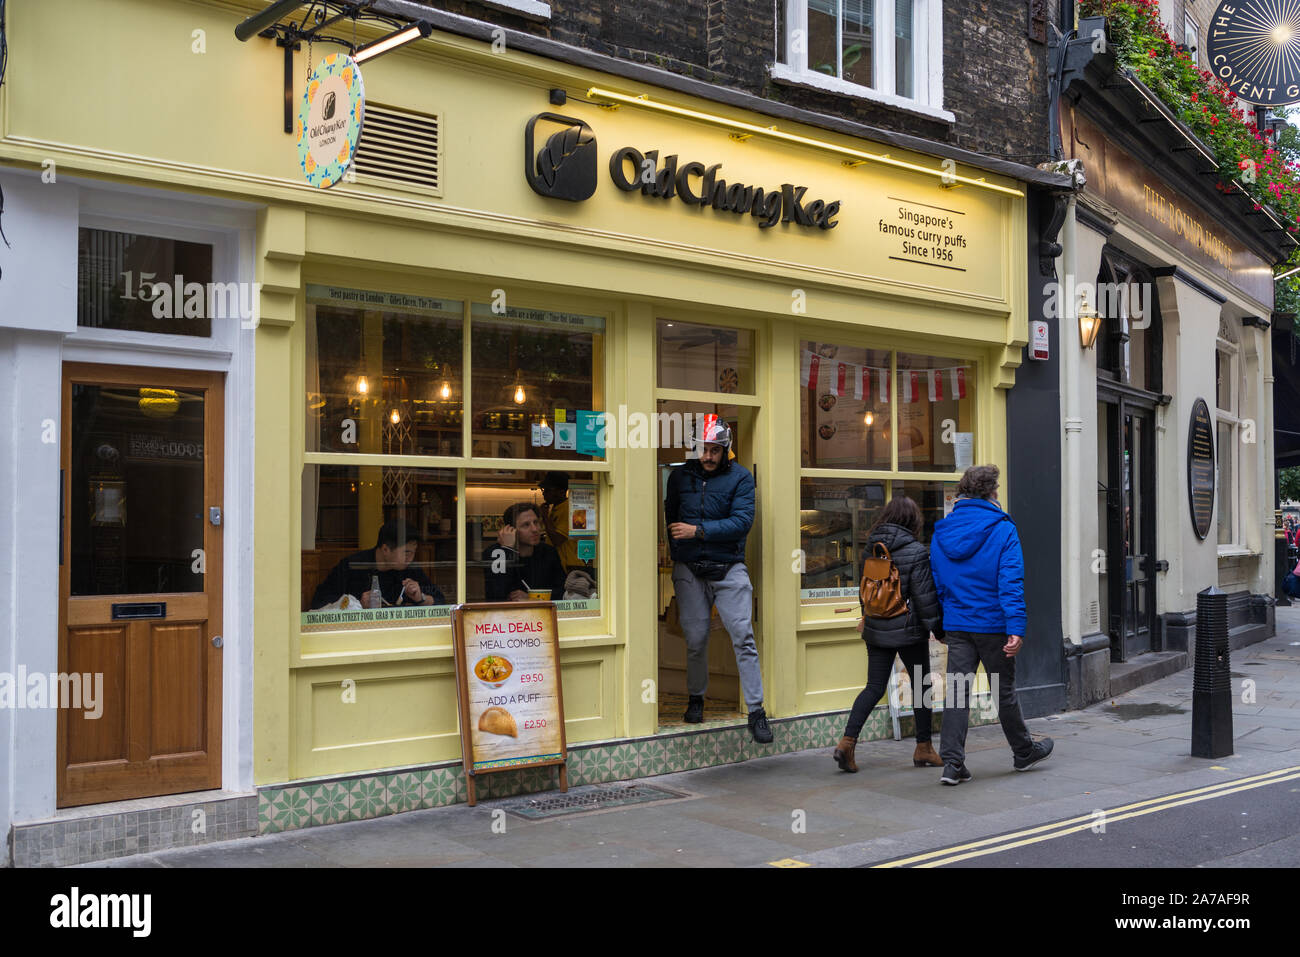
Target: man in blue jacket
(979, 573)
(710, 509)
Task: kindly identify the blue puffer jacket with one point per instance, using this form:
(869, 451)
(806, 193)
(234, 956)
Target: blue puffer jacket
(979, 570)
(721, 503)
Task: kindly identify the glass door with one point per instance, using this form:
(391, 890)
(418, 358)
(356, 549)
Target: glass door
(1127, 525)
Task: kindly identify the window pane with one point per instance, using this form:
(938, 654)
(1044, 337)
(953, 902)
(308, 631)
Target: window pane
(834, 518)
(1223, 381)
(383, 373)
(136, 508)
(1227, 460)
(935, 499)
(936, 414)
(369, 524)
(856, 40)
(844, 406)
(530, 367)
(149, 284)
(822, 17)
(705, 358)
(904, 49)
(522, 539)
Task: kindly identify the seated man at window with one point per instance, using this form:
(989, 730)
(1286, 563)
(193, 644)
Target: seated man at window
(521, 562)
(389, 560)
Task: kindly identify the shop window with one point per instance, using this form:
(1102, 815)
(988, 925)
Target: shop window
(885, 50)
(844, 406)
(1227, 363)
(368, 524)
(1127, 299)
(892, 417)
(138, 283)
(537, 383)
(533, 537)
(383, 373)
(704, 358)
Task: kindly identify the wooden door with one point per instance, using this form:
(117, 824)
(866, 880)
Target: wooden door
(140, 581)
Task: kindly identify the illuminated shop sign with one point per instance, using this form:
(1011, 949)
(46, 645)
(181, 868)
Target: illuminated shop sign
(566, 168)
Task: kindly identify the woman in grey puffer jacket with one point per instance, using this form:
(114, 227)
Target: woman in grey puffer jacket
(907, 636)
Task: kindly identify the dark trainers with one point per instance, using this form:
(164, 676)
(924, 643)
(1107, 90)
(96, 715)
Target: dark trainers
(954, 775)
(1040, 752)
(759, 727)
(694, 709)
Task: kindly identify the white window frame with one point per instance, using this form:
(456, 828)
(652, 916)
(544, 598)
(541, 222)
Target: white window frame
(927, 26)
(1231, 353)
(1192, 30)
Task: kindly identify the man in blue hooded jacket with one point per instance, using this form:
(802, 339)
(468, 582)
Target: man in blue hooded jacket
(979, 573)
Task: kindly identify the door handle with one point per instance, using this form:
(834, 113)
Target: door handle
(217, 641)
(214, 514)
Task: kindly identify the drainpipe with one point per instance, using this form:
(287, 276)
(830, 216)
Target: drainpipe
(1071, 372)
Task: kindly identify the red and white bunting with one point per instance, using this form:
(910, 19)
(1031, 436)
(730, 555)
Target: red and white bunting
(809, 369)
(840, 378)
(935, 385)
(862, 383)
(959, 382)
(884, 385)
(912, 388)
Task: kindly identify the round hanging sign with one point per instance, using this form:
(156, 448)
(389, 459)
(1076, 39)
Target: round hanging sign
(330, 117)
(1253, 46)
(1200, 468)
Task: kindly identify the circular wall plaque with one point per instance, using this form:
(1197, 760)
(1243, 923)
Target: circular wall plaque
(330, 117)
(1254, 47)
(1200, 467)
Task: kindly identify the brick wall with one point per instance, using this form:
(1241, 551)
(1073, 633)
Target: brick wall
(994, 75)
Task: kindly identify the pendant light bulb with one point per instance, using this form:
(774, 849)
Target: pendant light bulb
(363, 386)
(395, 417)
(520, 396)
(445, 391)
(869, 419)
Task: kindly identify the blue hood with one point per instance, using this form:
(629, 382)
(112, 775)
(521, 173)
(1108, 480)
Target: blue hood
(964, 532)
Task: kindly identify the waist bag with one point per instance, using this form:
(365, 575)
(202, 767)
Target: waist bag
(709, 571)
(880, 590)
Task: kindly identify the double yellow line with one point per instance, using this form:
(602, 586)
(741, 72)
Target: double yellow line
(1046, 832)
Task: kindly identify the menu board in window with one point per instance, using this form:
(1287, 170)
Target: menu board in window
(508, 684)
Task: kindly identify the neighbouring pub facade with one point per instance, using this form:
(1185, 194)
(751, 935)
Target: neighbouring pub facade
(546, 262)
(1167, 460)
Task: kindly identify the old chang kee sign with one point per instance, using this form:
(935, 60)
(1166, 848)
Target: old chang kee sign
(508, 683)
(330, 117)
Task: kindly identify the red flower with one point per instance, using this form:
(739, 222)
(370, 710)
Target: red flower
(1194, 97)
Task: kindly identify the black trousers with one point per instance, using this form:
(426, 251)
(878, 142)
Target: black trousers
(880, 662)
(966, 651)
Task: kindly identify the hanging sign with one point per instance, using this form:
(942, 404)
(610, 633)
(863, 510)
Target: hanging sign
(508, 685)
(1253, 46)
(1200, 468)
(330, 118)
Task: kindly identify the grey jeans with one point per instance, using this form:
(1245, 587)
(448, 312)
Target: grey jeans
(734, 598)
(967, 650)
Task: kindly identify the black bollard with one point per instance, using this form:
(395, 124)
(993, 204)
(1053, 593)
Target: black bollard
(1212, 678)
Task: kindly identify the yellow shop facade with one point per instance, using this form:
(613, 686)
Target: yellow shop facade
(523, 244)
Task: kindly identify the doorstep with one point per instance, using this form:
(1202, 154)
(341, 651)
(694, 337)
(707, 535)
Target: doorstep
(96, 832)
(1144, 669)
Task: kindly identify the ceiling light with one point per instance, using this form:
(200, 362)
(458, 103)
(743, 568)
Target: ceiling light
(416, 31)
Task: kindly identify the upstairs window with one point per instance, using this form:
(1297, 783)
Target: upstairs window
(885, 50)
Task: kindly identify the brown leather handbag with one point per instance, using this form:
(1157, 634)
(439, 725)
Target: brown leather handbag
(880, 590)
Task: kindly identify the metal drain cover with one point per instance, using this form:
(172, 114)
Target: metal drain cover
(582, 800)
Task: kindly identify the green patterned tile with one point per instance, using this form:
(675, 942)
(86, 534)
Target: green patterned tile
(369, 798)
(405, 792)
(290, 809)
(330, 804)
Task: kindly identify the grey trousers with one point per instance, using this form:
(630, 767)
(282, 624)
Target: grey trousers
(966, 651)
(734, 598)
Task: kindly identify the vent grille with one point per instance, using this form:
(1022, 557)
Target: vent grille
(400, 148)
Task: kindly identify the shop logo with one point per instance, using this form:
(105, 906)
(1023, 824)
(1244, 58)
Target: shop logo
(1254, 47)
(565, 168)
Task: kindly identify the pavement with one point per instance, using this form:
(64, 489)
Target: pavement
(798, 809)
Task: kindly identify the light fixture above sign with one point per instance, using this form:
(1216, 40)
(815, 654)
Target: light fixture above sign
(282, 22)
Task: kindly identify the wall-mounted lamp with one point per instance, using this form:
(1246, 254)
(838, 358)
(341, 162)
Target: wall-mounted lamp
(416, 31)
(1089, 323)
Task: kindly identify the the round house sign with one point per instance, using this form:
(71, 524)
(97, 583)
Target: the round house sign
(1253, 46)
(1200, 468)
(330, 118)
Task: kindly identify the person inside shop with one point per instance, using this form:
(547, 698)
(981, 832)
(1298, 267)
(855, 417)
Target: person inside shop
(709, 509)
(554, 512)
(520, 562)
(390, 560)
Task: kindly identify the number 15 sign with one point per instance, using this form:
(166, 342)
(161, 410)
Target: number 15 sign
(508, 684)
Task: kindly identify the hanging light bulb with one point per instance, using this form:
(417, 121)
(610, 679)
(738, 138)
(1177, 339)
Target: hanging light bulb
(868, 419)
(445, 391)
(395, 417)
(520, 396)
(363, 386)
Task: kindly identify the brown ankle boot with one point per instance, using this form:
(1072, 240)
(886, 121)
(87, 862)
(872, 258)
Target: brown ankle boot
(926, 756)
(844, 754)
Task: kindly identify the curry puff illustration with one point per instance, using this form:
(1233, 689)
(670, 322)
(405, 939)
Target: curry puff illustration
(498, 721)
